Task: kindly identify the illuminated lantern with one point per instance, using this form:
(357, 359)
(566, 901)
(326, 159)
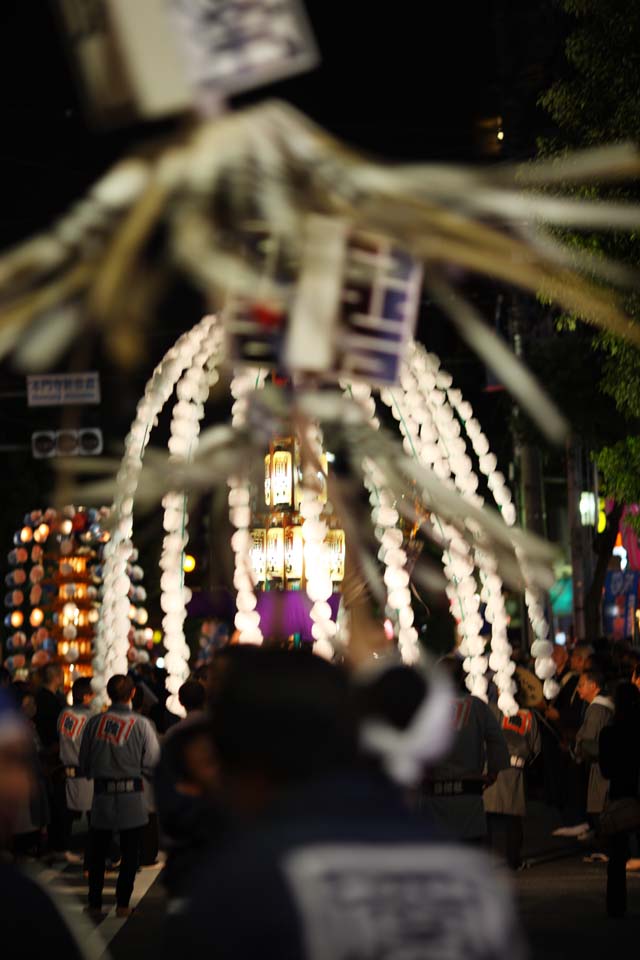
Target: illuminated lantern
(18, 577)
(26, 535)
(41, 533)
(37, 616)
(21, 555)
(188, 563)
(35, 595)
(66, 527)
(259, 554)
(36, 574)
(16, 619)
(267, 480)
(336, 543)
(36, 554)
(281, 473)
(70, 611)
(275, 553)
(17, 598)
(293, 552)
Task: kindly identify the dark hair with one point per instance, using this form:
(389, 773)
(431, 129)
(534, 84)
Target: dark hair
(120, 688)
(596, 676)
(627, 704)
(192, 695)
(394, 696)
(453, 665)
(81, 689)
(281, 713)
(173, 764)
(20, 690)
(49, 671)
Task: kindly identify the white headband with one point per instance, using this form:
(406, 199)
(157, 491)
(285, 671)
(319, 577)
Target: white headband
(405, 753)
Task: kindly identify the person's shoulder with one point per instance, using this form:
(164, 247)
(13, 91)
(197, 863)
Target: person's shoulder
(23, 899)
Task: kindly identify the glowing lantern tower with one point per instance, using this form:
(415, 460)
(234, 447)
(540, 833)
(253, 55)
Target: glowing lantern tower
(55, 587)
(278, 542)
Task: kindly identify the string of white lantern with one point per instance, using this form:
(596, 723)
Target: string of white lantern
(425, 425)
(317, 558)
(247, 618)
(389, 536)
(110, 654)
(541, 648)
(433, 385)
(192, 392)
(421, 441)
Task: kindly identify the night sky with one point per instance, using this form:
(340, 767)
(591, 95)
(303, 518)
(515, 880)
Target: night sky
(405, 80)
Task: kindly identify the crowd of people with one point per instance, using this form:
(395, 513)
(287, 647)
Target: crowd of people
(334, 809)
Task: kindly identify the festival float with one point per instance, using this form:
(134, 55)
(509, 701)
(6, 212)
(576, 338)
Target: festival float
(315, 256)
(55, 593)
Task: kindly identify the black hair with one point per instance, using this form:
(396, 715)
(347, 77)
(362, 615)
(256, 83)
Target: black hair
(280, 713)
(596, 676)
(49, 671)
(192, 695)
(394, 696)
(81, 689)
(627, 704)
(453, 665)
(120, 688)
(20, 690)
(173, 764)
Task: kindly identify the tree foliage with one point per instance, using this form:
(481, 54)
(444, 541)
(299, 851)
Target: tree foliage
(598, 102)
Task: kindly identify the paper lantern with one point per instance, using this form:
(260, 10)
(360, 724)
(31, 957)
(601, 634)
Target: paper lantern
(293, 553)
(41, 533)
(275, 554)
(36, 617)
(336, 543)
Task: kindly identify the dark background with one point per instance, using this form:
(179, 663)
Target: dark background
(407, 81)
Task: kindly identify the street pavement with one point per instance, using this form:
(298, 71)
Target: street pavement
(561, 904)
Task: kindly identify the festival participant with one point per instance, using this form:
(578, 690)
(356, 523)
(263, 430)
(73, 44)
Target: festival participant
(189, 812)
(118, 748)
(49, 704)
(31, 823)
(32, 924)
(598, 715)
(454, 788)
(619, 760)
(320, 829)
(71, 727)
(504, 800)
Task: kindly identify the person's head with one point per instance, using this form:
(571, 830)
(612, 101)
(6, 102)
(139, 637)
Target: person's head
(590, 684)
(16, 769)
(192, 695)
(82, 692)
(278, 718)
(560, 656)
(24, 696)
(579, 656)
(52, 677)
(190, 755)
(120, 689)
(627, 705)
(453, 666)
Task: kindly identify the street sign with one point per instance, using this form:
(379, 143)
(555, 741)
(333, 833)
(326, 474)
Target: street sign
(46, 444)
(62, 389)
